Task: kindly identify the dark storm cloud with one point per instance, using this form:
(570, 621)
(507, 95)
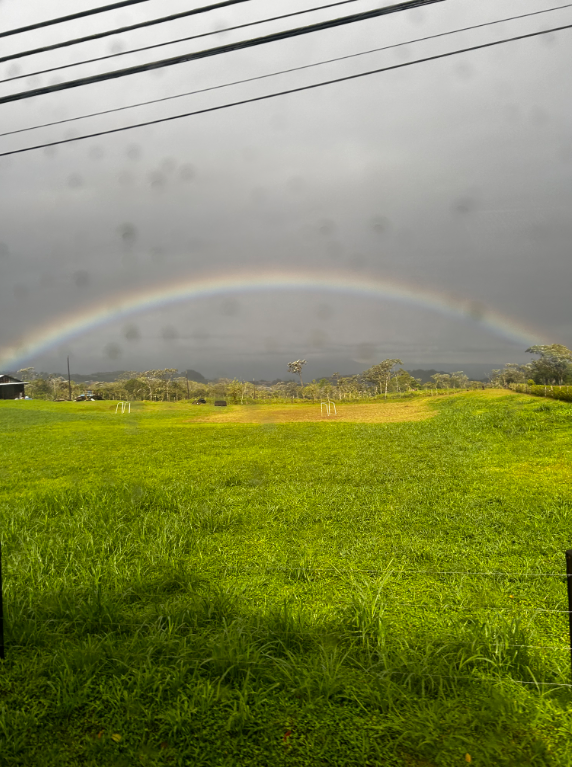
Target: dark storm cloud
(454, 176)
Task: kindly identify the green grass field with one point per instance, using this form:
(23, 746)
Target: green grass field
(184, 593)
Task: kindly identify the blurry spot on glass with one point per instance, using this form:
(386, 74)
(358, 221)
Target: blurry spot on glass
(324, 312)
(128, 233)
(365, 353)
(326, 227)
(463, 205)
(168, 165)
(334, 249)
(539, 116)
(157, 179)
(131, 333)
(476, 310)
(117, 46)
(113, 351)
(538, 233)
(464, 70)
(548, 39)
(318, 339)
(187, 172)
(20, 291)
(249, 154)
(81, 278)
(296, 184)
(95, 153)
(278, 122)
(75, 181)
(230, 307)
(379, 224)
(357, 262)
(200, 334)
(126, 178)
(258, 194)
(169, 333)
(270, 344)
(133, 152)
(416, 17)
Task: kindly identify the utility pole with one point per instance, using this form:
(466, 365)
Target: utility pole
(69, 379)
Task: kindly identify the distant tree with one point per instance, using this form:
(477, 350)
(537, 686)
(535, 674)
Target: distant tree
(57, 383)
(510, 374)
(290, 389)
(220, 388)
(296, 368)
(158, 381)
(459, 380)
(26, 374)
(349, 385)
(554, 364)
(404, 381)
(167, 375)
(235, 390)
(380, 374)
(312, 390)
(441, 380)
(40, 387)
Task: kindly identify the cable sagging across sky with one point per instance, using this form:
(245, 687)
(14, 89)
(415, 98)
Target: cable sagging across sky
(71, 17)
(174, 42)
(286, 71)
(289, 91)
(239, 45)
(149, 23)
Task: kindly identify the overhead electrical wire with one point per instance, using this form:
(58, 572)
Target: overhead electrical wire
(289, 91)
(121, 30)
(239, 45)
(71, 17)
(174, 42)
(285, 71)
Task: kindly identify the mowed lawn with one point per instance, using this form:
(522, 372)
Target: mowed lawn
(264, 586)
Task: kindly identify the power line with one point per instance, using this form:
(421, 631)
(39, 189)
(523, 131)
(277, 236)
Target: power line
(285, 71)
(72, 17)
(120, 30)
(240, 45)
(289, 91)
(162, 45)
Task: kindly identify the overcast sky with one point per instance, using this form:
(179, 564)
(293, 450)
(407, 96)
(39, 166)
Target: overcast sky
(453, 176)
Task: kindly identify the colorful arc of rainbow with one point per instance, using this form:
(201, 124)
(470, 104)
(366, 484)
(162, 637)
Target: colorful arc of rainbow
(68, 327)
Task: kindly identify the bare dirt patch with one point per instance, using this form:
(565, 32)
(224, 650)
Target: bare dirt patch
(378, 412)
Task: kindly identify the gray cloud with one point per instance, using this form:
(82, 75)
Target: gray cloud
(452, 176)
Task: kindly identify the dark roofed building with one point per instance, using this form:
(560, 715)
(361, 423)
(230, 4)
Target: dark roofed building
(11, 388)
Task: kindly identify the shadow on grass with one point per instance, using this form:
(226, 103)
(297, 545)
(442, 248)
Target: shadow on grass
(202, 660)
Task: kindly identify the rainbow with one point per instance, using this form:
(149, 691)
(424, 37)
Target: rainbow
(68, 327)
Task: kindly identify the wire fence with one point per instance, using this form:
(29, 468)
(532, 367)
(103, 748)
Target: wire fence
(162, 620)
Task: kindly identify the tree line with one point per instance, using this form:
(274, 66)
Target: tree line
(552, 366)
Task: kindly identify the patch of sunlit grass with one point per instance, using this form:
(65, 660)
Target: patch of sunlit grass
(286, 594)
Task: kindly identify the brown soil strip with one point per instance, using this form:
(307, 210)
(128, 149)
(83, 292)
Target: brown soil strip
(392, 412)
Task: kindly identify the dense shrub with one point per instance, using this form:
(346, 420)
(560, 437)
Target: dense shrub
(563, 393)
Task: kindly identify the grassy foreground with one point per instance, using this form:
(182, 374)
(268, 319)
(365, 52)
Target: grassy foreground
(185, 593)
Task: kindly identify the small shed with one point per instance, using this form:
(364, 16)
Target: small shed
(11, 388)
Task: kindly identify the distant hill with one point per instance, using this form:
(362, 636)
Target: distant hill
(193, 375)
(82, 377)
(112, 376)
